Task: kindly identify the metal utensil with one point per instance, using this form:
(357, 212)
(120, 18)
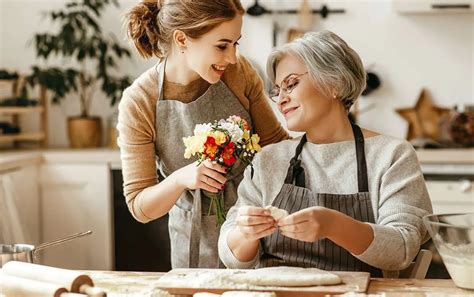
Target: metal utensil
(27, 252)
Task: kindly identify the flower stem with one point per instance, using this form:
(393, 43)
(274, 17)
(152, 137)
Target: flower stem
(217, 201)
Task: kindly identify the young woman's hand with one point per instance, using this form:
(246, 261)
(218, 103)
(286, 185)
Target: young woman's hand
(206, 176)
(309, 224)
(255, 222)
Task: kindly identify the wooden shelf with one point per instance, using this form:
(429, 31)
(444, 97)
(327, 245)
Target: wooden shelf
(19, 109)
(38, 136)
(8, 81)
(16, 112)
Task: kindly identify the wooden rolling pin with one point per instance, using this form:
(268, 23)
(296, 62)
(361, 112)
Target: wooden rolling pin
(73, 281)
(20, 287)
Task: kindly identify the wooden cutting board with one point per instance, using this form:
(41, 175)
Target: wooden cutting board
(183, 281)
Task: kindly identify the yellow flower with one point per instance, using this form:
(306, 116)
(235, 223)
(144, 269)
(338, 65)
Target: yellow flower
(219, 137)
(194, 144)
(246, 135)
(253, 145)
(255, 139)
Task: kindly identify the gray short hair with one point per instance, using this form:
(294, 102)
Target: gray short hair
(332, 64)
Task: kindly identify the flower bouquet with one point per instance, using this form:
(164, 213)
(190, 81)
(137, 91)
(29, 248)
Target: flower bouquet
(223, 142)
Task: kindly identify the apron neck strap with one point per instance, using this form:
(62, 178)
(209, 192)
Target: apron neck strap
(296, 171)
(160, 69)
(361, 163)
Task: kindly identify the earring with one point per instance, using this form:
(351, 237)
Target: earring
(182, 49)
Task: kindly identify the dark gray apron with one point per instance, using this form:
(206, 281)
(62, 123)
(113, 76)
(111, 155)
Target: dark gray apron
(279, 250)
(193, 232)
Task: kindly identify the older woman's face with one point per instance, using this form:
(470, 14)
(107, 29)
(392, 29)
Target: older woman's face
(305, 107)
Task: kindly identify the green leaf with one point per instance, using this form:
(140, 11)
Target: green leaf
(79, 38)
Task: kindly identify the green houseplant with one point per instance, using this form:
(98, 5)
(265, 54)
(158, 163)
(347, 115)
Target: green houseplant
(88, 57)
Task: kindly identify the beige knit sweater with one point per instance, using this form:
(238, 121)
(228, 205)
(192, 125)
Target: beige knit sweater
(137, 118)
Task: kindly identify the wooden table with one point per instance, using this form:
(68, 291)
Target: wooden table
(141, 283)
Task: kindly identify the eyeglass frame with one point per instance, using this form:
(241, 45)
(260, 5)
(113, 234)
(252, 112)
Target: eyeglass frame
(276, 98)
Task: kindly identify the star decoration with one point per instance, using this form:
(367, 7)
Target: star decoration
(424, 118)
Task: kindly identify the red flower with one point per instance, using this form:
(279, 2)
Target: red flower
(228, 154)
(210, 148)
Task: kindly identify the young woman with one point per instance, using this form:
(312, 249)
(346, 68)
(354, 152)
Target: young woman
(355, 198)
(199, 79)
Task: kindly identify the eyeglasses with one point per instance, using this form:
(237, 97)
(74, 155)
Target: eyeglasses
(287, 86)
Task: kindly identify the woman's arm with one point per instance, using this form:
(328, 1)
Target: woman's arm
(314, 223)
(157, 200)
(146, 198)
(247, 221)
(403, 202)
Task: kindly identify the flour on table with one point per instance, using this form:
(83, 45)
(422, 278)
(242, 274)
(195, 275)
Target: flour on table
(248, 294)
(236, 294)
(277, 213)
(248, 279)
(285, 276)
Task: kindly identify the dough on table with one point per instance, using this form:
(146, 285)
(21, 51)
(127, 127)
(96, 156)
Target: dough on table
(277, 213)
(248, 294)
(236, 294)
(285, 276)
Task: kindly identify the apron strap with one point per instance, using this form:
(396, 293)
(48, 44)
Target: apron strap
(362, 178)
(195, 236)
(295, 171)
(160, 69)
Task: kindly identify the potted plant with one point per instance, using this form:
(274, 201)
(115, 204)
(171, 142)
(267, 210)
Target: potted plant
(91, 54)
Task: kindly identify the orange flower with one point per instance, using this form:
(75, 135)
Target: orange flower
(210, 148)
(228, 154)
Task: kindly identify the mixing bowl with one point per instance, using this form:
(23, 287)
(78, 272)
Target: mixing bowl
(453, 236)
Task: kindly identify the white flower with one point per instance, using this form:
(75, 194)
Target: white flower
(202, 129)
(234, 131)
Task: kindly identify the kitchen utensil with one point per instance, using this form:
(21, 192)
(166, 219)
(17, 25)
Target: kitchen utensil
(453, 236)
(73, 281)
(27, 252)
(184, 281)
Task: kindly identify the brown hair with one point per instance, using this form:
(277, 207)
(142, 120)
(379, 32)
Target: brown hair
(151, 23)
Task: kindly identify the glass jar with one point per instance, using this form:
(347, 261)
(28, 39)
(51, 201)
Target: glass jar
(461, 127)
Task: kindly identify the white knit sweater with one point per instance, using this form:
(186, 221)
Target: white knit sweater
(396, 185)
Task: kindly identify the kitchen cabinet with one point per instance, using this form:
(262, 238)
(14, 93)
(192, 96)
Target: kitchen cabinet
(433, 6)
(19, 205)
(76, 197)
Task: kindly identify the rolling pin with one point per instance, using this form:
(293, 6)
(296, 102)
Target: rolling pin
(20, 287)
(73, 281)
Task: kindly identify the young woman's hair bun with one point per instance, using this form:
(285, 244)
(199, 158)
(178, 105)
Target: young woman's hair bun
(142, 27)
(151, 23)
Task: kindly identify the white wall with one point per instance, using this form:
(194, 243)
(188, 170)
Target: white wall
(409, 52)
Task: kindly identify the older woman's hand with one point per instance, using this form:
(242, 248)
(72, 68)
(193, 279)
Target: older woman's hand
(255, 222)
(309, 224)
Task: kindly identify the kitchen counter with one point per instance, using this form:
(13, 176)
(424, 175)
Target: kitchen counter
(432, 161)
(141, 284)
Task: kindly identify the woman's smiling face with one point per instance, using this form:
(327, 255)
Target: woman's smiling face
(305, 106)
(211, 54)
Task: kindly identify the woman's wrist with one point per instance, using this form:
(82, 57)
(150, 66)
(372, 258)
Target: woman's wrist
(353, 235)
(242, 248)
(175, 179)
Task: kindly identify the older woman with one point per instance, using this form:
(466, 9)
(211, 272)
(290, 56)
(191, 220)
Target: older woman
(355, 198)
